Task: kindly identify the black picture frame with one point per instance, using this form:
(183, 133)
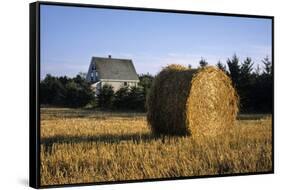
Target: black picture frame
(34, 92)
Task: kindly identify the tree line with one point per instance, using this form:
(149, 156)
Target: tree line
(65, 91)
(254, 87)
(76, 92)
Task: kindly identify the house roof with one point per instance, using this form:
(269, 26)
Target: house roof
(116, 69)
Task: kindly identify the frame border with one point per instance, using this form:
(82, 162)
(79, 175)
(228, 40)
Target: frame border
(34, 92)
(34, 106)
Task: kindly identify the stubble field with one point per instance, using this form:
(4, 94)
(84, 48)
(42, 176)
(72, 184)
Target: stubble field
(82, 146)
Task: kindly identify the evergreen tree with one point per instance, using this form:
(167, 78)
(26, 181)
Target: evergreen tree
(137, 98)
(267, 84)
(234, 70)
(121, 98)
(246, 70)
(106, 96)
(267, 65)
(145, 82)
(221, 66)
(246, 85)
(52, 91)
(203, 62)
(257, 71)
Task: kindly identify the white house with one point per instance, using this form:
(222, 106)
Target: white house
(111, 71)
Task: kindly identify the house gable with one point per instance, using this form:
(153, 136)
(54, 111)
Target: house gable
(111, 69)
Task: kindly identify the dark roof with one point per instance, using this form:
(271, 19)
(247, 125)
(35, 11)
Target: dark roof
(117, 69)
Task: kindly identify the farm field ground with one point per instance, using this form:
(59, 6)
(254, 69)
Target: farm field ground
(82, 146)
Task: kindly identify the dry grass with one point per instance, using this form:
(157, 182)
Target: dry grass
(79, 146)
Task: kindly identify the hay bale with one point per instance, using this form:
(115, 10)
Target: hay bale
(186, 101)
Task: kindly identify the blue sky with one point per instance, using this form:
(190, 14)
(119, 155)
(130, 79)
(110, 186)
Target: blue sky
(70, 36)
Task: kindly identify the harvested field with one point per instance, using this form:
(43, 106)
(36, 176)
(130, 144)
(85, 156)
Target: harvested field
(81, 146)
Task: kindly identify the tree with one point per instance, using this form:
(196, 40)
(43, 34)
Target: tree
(130, 98)
(246, 74)
(137, 98)
(82, 75)
(145, 80)
(267, 65)
(146, 83)
(246, 85)
(267, 84)
(234, 70)
(64, 91)
(246, 70)
(121, 98)
(257, 71)
(63, 80)
(221, 66)
(106, 96)
(52, 91)
(203, 62)
(77, 94)
(253, 86)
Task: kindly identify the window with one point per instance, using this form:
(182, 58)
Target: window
(125, 83)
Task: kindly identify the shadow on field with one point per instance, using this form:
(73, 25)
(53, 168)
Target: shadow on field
(252, 116)
(98, 139)
(135, 138)
(80, 113)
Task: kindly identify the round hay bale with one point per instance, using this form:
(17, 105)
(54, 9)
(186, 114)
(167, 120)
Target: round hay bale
(186, 101)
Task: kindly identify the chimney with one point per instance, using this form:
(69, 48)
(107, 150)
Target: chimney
(109, 56)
